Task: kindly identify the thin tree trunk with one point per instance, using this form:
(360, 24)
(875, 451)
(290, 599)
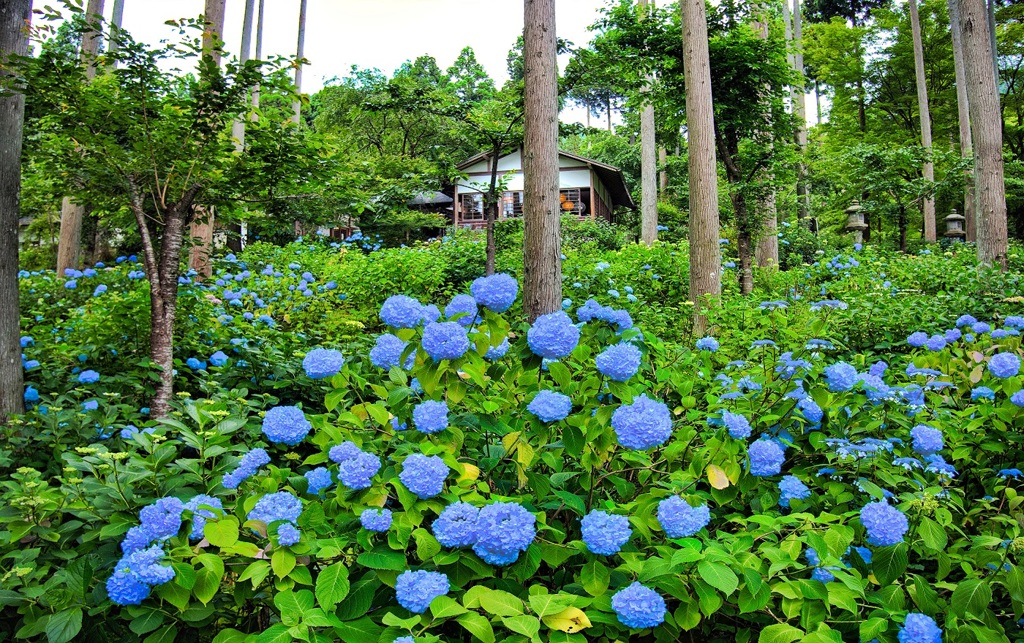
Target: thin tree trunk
(14, 20)
(648, 164)
(259, 56)
(69, 247)
(663, 174)
(928, 171)
(767, 250)
(116, 19)
(705, 258)
(986, 134)
(803, 203)
(300, 52)
(491, 209)
(963, 116)
(608, 107)
(235, 241)
(542, 287)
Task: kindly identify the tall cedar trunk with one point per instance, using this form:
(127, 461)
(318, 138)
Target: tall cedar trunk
(203, 223)
(69, 247)
(744, 242)
(928, 171)
(648, 165)
(986, 134)
(116, 18)
(14, 17)
(608, 108)
(491, 209)
(663, 174)
(963, 116)
(767, 251)
(705, 259)
(542, 278)
(300, 52)
(259, 56)
(800, 115)
(235, 241)
(817, 102)
(990, 11)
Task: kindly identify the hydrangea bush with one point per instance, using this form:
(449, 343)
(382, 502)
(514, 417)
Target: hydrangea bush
(736, 491)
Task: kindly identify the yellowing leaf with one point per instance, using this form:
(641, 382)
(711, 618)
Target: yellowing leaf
(717, 477)
(569, 620)
(469, 471)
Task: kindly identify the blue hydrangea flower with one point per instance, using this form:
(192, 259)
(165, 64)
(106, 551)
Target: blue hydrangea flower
(810, 409)
(195, 364)
(737, 424)
(135, 573)
(424, 475)
(1014, 321)
(709, 344)
(926, 440)
(401, 311)
(416, 589)
(605, 533)
(884, 523)
(918, 339)
(953, 334)
(286, 425)
(456, 526)
(90, 405)
(200, 515)
(619, 362)
(919, 628)
(275, 507)
(553, 336)
(638, 607)
(387, 353)
(465, 307)
(1018, 398)
(644, 424)
(288, 535)
(378, 520)
(680, 519)
(497, 352)
(766, 458)
(936, 343)
(841, 377)
(321, 363)
(445, 340)
(31, 395)
(504, 529)
(247, 466)
(982, 393)
(792, 488)
(88, 377)
(965, 320)
(430, 416)
(496, 292)
(318, 480)
(355, 467)
(823, 575)
(550, 406)
(219, 358)
(1004, 365)
(1010, 473)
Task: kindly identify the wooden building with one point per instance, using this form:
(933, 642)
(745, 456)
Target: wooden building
(589, 189)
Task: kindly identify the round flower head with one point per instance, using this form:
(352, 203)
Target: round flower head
(424, 475)
(504, 529)
(643, 424)
(1004, 365)
(918, 339)
(376, 519)
(465, 307)
(88, 377)
(124, 588)
(810, 409)
(286, 425)
(430, 416)
(885, 524)
(415, 590)
(496, 293)
(553, 336)
(936, 343)
(965, 320)
(387, 353)
(981, 328)
(604, 533)
(766, 458)
(982, 393)
(919, 628)
(680, 519)
(195, 364)
(159, 521)
(247, 466)
(200, 516)
(549, 406)
(445, 340)
(400, 311)
(431, 313)
(638, 607)
(926, 440)
(1018, 398)
(619, 362)
(497, 352)
(709, 344)
(737, 424)
(841, 377)
(317, 480)
(219, 358)
(288, 535)
(791, 488)
(321, 363)
(456, 526)
(953, 334)
(355, 467)
(275, 507)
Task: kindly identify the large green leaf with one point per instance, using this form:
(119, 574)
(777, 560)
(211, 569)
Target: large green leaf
(383, 559)
(362, 630)
(478, 626)
(64, 626)
(971, 596)
(780, 633)
(332, 585)
(443, 607)
(718, 576)
(501, 603)
(889, 563)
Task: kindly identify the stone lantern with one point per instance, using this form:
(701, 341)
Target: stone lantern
(955, 226)
(855, 221)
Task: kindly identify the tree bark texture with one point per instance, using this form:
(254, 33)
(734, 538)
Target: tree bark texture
(491, 205)
(986, 134)
(116, 18)
(705, 257)
(235, 241)
(300, 50)
(766, 253)
(213, 14)
(648, 166)
(14, 18)
(259, 56)
(964, 117)
(542, 278)
(928, 171)
(803, 198)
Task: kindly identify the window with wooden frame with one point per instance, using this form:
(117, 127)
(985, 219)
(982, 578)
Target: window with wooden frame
(512, 205)
(572, 201)
(471, 207)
